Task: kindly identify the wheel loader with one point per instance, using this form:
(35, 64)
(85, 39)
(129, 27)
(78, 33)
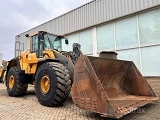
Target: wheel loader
(2, 74)
(109, 87)
(3, 69)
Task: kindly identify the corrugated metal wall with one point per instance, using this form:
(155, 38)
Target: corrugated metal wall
(95, 12)
(90, 14)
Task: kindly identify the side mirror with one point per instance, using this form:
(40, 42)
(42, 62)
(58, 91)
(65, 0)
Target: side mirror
(66, 41)
(27, 35)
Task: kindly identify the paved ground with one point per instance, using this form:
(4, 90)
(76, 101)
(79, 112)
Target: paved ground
(28, 108)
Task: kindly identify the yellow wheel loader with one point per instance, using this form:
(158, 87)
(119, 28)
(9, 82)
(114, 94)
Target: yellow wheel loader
(103, 85)
(45, 67)
(3, 69)
(2, 74)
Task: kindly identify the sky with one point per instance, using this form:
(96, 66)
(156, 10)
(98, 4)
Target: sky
(18, 16)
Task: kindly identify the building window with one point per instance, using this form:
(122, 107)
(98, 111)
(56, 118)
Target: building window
(105, 37)
(86, 41)
(126, 33)
(131, 55)
(73, 38)
(149, 27)
(150, 61)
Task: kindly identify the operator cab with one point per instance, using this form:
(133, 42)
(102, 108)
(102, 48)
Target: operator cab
(45, 41)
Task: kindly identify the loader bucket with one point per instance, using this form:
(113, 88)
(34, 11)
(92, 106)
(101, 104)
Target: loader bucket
(112, 88)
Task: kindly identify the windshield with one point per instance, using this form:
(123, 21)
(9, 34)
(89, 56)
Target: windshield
(52, 42)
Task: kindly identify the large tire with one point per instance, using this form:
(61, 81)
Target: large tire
(14, 87)
(59, 86)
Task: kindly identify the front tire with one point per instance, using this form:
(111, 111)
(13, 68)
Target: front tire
(14, 87)
(52, 84)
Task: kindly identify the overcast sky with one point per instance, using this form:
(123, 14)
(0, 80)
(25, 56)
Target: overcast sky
(18, 16)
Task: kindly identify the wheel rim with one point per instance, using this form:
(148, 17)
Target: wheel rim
(45, 84)
(11, 81)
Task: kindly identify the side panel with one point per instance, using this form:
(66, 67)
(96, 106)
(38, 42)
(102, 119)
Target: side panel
(28, 62)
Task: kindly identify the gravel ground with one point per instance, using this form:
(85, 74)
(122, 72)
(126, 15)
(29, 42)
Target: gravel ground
(28, 108)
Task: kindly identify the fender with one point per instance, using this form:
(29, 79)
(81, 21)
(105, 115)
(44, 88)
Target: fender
(14, 62)
(43, 60)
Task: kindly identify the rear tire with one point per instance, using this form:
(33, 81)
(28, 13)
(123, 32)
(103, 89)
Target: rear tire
(14, 87)
(57, 84)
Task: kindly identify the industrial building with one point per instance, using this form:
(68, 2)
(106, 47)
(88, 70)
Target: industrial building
(129, 27)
